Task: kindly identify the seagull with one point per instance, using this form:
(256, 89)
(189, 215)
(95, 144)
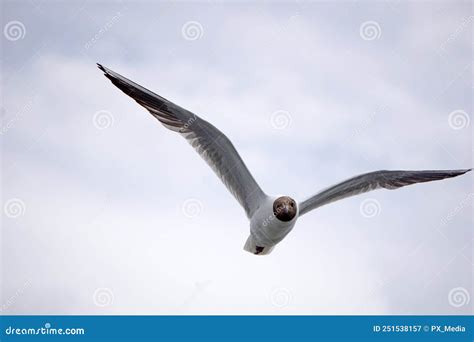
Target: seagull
(271, 217)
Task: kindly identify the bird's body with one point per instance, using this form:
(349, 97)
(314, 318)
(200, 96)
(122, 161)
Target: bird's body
(271, 217)
(266, 230)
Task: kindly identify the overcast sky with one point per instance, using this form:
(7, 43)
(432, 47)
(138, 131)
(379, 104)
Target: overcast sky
(107, 212)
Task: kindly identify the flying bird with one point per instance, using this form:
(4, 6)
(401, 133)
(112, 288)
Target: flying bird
(271, 217)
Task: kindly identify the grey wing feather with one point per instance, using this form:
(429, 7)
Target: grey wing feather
(372, 181)
(213, 146)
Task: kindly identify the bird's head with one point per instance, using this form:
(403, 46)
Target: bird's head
(284, 208)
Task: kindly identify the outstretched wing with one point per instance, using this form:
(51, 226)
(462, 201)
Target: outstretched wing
(213, 146)
(372, 181)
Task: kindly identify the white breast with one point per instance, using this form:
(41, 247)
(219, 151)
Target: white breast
(265, 228)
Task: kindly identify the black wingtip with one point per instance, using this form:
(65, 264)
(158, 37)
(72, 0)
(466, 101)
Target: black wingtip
(460, 172)
(101, 67)
(463, 171)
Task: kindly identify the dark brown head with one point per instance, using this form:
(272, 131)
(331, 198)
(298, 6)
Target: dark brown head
(284, 208)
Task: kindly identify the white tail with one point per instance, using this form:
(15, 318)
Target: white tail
(251, 247)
